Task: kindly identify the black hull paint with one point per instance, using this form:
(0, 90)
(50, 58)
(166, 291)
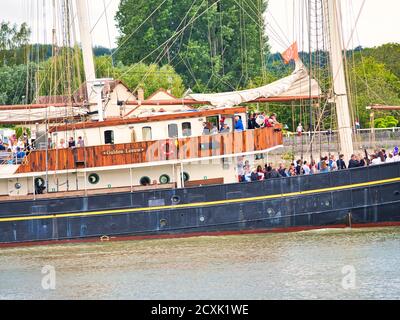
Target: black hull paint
(349, 197)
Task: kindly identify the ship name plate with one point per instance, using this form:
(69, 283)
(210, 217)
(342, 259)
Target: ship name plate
(122, 151)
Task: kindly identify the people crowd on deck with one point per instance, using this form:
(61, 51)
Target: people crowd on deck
(71, 143)
(261, 120)
(326, 164)
(255, 121)
(17, 148)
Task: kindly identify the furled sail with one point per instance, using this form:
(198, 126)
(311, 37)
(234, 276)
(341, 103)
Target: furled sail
(298, 84)
(39, 114)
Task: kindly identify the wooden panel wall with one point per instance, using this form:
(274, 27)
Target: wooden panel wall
(152, 151)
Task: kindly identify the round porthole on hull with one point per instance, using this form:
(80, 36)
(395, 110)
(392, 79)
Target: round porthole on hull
(164, 179)
(175, 199)
(271, 212)
(93, 178)
(145, 181)
(163, 223)
(18, 186)
(185, 176)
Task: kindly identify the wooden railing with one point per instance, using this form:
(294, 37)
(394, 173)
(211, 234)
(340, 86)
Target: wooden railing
(153, 151)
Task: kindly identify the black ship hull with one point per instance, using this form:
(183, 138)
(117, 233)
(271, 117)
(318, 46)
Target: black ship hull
(356, 197)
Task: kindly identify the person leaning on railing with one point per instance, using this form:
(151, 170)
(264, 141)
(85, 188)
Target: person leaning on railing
(238, 124)
(2, 147)
(341, 165)
(19, 155)
(225, 128)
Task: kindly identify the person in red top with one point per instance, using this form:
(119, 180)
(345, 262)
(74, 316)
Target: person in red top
(268, 122)
(260, 173)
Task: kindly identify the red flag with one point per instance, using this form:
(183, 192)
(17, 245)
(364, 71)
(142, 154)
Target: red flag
(292, 53)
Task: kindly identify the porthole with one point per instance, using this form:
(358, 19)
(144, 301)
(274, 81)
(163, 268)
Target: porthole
(271, 212)
(396, 193)
(202, 219)
(18, 186)
(145, 181)
(163, 223)
(185, 176)
(164, 179)
(175, 199)
(93, 178)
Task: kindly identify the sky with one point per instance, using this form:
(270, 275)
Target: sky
(379, 21)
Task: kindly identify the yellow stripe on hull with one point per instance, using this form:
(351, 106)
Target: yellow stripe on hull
(198, 204)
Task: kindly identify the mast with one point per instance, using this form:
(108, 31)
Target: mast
(333, 20)
(94, 88)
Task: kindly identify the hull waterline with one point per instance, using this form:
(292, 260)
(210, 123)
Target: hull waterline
(362, 197)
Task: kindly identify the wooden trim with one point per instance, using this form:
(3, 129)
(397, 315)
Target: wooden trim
(164, 117)
(158, 91)
(153, 151)
(42, 106)
(82, 193)
(381, 107)
(207, 182)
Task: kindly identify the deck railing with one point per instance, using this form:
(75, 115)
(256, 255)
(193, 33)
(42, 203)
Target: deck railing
(206, 146)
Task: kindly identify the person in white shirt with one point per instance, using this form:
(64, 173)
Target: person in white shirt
(14, 147)
(62, 144)
(247, 174)
(299, 129)
(375, 160)
(390, 158)
(21, 144)
(332, 163)
(306, 168)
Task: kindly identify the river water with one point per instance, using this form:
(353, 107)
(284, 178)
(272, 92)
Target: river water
(323, 264)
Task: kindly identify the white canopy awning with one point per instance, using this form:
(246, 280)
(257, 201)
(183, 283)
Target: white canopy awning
(297, 84)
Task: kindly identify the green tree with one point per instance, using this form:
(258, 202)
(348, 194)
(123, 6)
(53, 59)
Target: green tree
(13, 43)
(52, 74)
(372, 83)
(388, 54)
(214, 45)
(150, 78)
(17, 84)
(386, 122)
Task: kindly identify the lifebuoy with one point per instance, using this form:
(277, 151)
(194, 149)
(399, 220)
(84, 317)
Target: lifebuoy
(168, 146)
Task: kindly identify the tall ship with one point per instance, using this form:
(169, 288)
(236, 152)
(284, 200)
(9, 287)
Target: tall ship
(166, 167)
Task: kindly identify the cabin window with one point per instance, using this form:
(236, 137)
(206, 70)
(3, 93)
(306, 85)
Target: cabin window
(186, 129)
(213, 124)
(214, 121)
(109, 137)
(146, 134)
(173, 130)
(229, 122)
